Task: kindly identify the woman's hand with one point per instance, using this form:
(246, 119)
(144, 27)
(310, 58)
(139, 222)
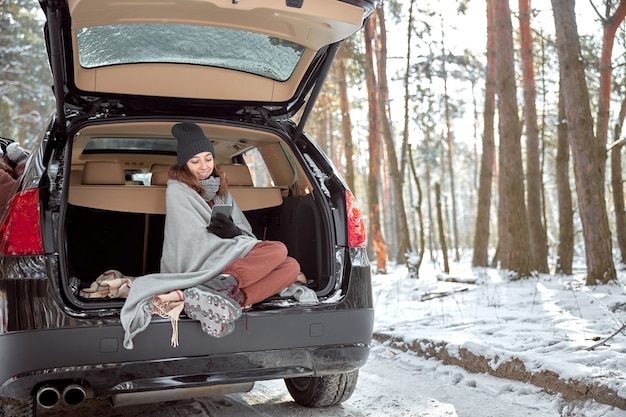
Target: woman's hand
(223, 226)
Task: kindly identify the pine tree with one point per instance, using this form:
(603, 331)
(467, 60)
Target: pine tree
(25, 78)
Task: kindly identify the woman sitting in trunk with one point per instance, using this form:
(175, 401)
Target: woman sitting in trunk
(211, 266)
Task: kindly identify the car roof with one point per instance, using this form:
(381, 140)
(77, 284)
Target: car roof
(264, 51)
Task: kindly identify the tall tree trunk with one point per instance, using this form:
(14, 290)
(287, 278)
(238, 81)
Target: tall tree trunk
(442, 233)
(386, 191)
(542, 132)
(455, 232)
(589, 154)
(414, 265)
(515, 239)
(617, 183)
(321, 134)
(346, 122)
(450, 154)
(429, 202)
(407, 93)
(481, 236)
(401, 226)
(609, 26)
(378, 243)
(565, 250)
(334, 150)
(538, 243)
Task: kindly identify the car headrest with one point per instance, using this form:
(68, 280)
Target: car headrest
(237, 175)
(103, 173)
(159, 178)
(159, 174)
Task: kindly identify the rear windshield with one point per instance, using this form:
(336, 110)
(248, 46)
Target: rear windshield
(131, 145)
(254, 53)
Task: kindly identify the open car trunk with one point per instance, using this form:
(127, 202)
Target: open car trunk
(115, 214)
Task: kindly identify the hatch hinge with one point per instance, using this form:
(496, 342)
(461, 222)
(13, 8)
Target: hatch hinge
(105, 109)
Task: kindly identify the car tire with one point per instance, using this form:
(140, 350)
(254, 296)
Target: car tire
(15, 408)
(322, 391)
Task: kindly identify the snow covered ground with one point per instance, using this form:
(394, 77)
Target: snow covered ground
(549, 323)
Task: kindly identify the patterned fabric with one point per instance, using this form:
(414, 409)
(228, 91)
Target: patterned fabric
(110, 284)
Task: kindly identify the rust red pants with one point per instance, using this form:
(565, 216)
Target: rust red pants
(264, 271)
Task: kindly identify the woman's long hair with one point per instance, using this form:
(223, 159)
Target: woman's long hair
(182, 174)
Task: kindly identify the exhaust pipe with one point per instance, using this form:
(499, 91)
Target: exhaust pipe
(48, 396)
(74, 394)
(176, 394)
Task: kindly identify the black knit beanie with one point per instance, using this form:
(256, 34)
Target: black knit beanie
(191, 141)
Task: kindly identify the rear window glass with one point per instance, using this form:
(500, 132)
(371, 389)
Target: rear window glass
(131, 145)
(258, 169)
(250, 52)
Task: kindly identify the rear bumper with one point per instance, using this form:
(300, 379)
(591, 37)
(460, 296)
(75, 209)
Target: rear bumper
(264, 345)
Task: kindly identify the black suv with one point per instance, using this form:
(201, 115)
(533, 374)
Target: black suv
(92, 199)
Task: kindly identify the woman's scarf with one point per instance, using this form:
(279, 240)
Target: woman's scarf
(210, 187)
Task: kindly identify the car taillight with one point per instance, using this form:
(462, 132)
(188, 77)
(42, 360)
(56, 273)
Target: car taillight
(356, 225)
(20, 231)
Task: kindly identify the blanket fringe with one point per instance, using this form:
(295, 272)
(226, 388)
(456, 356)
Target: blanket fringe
(174, 315)
(169, 305)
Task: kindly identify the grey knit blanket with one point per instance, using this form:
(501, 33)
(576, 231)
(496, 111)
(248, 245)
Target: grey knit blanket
(191, 255)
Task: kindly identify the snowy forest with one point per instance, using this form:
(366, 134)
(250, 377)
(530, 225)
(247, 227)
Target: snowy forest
(483, 127)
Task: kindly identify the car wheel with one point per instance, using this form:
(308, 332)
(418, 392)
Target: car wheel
(322, 391)
(14, 408)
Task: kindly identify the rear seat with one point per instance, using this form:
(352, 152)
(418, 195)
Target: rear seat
(103, 186)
